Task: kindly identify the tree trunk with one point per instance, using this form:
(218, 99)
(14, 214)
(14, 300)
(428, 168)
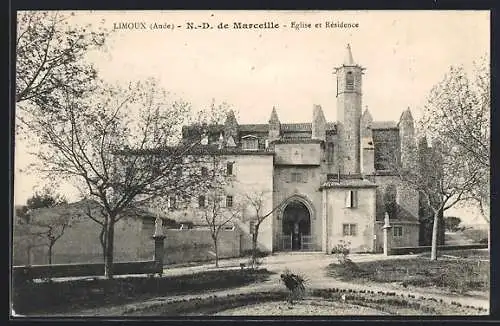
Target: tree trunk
(489, 237)
(216, 249)
(29, 254)
(51, 245)
(254, 245)
(102, 240)
(435, 227)
(108, 256)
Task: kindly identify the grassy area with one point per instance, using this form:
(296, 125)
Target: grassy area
(454, 275)
(476, 235)
(470, 254)
(58, 297)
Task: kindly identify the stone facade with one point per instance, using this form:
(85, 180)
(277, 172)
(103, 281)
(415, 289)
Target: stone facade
(323, 182)
(328, 178)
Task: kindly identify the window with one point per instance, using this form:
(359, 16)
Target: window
(349, 81)
(204, 171)
(397, 231)
(329, 153)
(250, 143)
(252, 227)
(229, 227)
(296, 177)
(229, 168)
(229, 201)
(349, 230)
(351, 199)
(201, 201)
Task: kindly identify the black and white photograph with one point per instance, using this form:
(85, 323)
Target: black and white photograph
(251, 163)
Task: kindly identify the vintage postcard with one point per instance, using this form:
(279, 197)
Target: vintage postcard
(251, 163)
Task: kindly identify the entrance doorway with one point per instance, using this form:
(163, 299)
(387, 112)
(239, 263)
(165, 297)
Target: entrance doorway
(296, 224)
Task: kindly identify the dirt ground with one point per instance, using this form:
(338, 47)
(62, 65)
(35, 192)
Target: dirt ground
(314, 267)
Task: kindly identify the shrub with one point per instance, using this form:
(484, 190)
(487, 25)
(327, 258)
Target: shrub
(342, 251)
(295, 284)
(258, 253)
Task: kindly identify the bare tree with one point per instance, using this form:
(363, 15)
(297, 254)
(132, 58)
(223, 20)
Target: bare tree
(122, 147)
(49, 53)
(39, 223)
(439, 177)
(258, 205)
(217, 212)
(51, 228)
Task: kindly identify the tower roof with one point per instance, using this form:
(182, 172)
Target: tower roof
(366, 116)
(348, 59)
(230, 118)
(406, 115)
(274, 116)
(318, 114)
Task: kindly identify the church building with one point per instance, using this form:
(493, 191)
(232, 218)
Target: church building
(328, 178)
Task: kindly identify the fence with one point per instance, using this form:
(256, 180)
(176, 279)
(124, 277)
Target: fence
(306, 243)
(74, 270)
(285, 242)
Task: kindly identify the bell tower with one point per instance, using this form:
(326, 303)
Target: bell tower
(349, 86)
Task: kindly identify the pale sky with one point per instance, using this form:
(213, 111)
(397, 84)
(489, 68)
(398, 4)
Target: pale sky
(404, 52)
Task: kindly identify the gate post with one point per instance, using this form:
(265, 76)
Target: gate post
(386, 228)
(159, 239)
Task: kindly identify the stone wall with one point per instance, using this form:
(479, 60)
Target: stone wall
(133, 242)
(409, 237)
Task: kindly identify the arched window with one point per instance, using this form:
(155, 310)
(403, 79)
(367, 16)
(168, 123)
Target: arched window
(349, 81)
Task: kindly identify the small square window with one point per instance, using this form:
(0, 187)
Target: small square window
(397, 231)
(349, 230)
(296, 177)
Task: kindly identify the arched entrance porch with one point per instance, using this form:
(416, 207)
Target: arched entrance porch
(296, 226)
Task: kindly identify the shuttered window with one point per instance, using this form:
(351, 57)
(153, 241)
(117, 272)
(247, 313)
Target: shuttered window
(351, 199)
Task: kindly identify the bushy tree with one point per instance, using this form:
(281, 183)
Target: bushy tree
(452, 223)
(49, 57)
(458, 112)
(440, 178)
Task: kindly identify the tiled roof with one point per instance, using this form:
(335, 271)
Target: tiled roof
(384, 125)
(297, 141)
(285, 127)
(262, 127)
(348, 183)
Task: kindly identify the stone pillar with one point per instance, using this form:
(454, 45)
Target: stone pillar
(159, 239)
(324, 216)
(159, 250)
(387, 227)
